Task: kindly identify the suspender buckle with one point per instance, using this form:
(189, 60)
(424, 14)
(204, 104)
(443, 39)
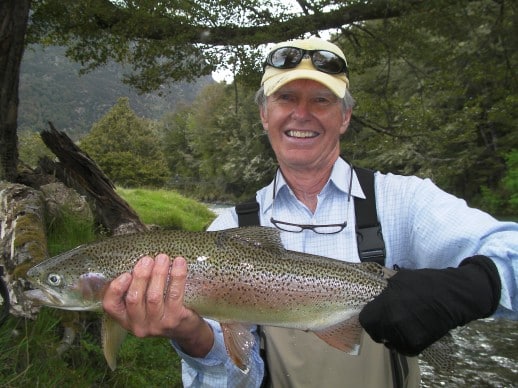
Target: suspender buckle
(371, 246)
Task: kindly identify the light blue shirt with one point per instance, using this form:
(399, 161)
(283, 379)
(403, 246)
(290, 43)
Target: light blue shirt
(423, 227)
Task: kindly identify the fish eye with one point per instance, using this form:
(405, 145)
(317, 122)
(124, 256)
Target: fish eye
(54, 279)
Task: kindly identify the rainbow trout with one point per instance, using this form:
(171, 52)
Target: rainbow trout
(238, 277)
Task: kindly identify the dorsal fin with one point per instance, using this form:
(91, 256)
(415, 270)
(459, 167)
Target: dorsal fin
(258, 236)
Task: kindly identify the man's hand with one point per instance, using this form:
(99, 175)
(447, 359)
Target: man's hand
(418, 307)
(149, 302)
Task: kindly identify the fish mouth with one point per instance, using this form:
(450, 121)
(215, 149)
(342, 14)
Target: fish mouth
(302, 134)
(51, 298)
(46, 298)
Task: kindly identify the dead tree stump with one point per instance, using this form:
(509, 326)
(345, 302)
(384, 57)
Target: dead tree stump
(78, 171)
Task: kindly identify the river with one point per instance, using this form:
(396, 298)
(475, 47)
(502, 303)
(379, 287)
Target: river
(486, 356)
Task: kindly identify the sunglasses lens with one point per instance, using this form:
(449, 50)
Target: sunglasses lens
(328, 62)
(285, 57)
(290, 57)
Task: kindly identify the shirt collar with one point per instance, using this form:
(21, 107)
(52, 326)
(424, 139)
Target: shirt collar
(339, 178)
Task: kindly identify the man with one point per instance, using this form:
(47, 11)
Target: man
(305, 107)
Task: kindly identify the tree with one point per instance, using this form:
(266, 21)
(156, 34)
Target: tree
(162, 41)
(126, 148)
(170, 40)
(221, 143)
(13, 24)
(442, 104)
(510, 181)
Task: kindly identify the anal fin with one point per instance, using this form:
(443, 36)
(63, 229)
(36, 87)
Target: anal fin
(344, 336)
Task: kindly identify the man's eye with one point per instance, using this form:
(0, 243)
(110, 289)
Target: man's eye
(323, 100)
(285, 97)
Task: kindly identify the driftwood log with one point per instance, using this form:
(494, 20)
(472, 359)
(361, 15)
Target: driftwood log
(23, 242)
(78, 171)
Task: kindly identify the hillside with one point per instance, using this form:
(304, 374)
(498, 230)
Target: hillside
(51, 89)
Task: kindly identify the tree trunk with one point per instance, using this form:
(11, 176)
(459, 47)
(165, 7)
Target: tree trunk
(14, 16)
(81, 173)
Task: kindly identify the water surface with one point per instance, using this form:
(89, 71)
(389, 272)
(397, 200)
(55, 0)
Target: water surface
(487, 356)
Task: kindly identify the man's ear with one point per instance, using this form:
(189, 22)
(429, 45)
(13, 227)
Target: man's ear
(264, 117)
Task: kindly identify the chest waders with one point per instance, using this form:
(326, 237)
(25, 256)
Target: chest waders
(371, 247)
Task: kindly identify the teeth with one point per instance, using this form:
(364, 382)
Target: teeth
(302, 134)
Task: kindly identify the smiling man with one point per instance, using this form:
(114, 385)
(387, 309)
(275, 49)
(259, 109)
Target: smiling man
(458, 263)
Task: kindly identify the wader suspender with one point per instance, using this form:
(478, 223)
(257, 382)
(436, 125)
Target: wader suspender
(371, 247)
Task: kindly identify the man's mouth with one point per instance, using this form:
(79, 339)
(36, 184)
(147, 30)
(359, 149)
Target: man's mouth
(302, 134)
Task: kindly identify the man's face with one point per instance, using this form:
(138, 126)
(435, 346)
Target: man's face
(304, 121)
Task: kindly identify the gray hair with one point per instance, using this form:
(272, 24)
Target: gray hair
(347, 101)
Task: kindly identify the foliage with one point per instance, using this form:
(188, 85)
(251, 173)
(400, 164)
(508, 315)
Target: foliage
(510, 181)
(442, 104)
(52, 90)
(29, 355)
(66, 231)
(126, 148)
(220, 149)
(173, 40)
(435, 82)
(426, 106)
(32, 148)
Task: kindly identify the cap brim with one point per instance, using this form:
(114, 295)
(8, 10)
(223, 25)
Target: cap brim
(337, 83)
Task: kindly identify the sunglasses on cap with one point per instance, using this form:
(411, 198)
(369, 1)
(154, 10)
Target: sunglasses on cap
(323, 60)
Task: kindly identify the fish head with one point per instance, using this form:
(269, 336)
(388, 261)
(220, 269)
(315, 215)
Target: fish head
(70, 281)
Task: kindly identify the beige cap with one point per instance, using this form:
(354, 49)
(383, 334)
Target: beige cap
(274, 78)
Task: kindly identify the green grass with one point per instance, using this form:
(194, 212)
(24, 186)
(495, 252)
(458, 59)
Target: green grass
(28, 356)
(66, 232)
(167, 209)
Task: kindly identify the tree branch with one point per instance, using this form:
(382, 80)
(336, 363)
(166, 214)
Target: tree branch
(106, 15)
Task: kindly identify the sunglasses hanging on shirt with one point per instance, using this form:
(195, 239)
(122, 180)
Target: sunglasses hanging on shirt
(320, 229)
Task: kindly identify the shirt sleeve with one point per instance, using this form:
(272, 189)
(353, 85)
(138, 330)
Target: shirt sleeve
(216, 369)
(427, 227)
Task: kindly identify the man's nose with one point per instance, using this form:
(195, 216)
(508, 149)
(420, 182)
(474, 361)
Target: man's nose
(301, 110)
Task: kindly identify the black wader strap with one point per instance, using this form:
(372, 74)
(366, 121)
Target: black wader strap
(248, 213)
(371, 246)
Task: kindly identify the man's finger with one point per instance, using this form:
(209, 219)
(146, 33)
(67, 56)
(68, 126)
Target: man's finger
(157, 288)
(177, 282)
(136, 295)
(113, 299)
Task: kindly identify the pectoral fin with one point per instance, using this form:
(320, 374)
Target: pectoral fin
(239, 342)
(112, 337)
(344, 336)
